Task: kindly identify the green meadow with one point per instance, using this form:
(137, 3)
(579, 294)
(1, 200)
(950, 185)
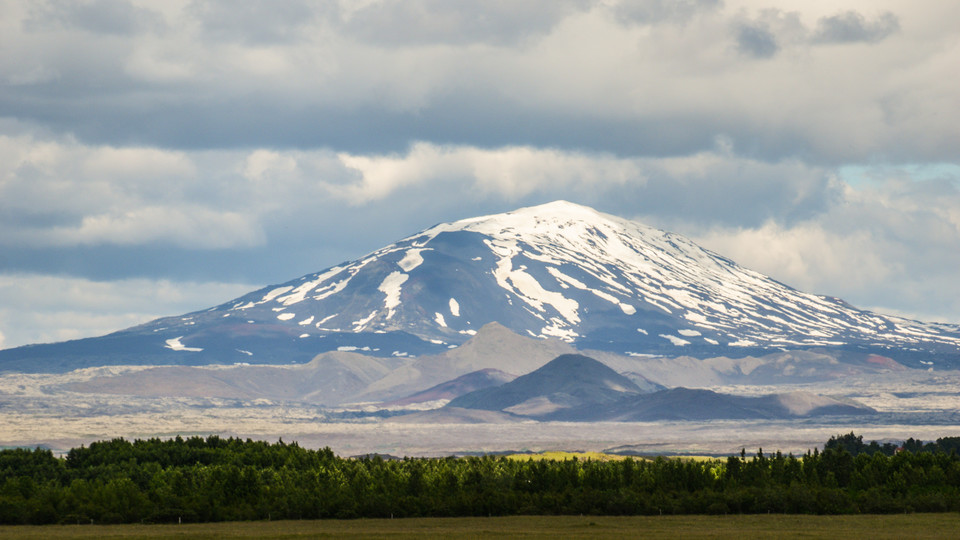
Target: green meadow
(532, 527)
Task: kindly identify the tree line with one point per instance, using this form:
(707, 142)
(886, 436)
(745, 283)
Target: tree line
(854, 444)
(221, 479)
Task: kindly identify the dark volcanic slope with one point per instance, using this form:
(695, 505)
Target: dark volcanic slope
(464, 384)
(570, 380)
(698, 404)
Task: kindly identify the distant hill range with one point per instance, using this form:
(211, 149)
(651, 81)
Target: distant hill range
(496, 371)
(581, 279)
(576, 388)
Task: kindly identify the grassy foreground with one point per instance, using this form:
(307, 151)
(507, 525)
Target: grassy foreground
(552, 527)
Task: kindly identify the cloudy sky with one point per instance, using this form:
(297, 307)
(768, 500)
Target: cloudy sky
(158, 157)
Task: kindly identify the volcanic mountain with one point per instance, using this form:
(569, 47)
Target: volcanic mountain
(559, 271)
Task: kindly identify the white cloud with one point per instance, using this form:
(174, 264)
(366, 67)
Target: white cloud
(191, 227)
(67, 193)
(807, 256)
(890, 246)
(510, 173)
(851, 26)
(266, 165)
(705, 187)
(137, 164)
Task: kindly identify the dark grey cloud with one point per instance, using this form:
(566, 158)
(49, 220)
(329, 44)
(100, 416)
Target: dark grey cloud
(852, 27)
(456, 118)
(756, 41)
(462, 118)
(773, 30)
(118, 17)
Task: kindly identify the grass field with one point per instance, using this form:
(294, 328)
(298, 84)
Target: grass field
(556, 455)
(532, 527)
(561, 456)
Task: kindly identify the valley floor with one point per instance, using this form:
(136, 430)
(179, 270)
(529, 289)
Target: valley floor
(919, 526)
(33, 411)
(60, 432)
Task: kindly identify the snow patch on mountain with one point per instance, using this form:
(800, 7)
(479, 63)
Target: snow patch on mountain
(361, 324)
(526, 287)
(299, 293)
(391, 289)
(679, 342)
(332, 289)
(566, 281)
(412, 259)
(275, 293)
(559, 330)
(174, 344)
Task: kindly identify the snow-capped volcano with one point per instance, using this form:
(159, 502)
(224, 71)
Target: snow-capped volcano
(567, 271)
(558, 270)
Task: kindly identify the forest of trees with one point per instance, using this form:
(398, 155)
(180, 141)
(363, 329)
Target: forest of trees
(217, 479)
(854, 444)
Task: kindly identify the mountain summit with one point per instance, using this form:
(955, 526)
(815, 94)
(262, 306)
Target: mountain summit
(559, 270)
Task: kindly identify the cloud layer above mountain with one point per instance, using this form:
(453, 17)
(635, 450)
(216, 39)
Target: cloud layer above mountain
(214, 145)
